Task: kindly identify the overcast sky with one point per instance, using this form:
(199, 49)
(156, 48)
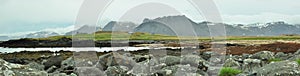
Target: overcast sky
(22, 16)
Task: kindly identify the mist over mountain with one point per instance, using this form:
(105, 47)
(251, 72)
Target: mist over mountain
(40, 34)
(166, 25)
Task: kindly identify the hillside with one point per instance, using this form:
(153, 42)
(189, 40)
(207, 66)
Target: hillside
(105, 35)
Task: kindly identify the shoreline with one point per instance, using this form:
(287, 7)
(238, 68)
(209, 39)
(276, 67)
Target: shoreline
(236, 55)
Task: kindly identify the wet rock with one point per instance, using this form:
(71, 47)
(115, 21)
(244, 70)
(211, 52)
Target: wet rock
(53, 61)
(282, 68)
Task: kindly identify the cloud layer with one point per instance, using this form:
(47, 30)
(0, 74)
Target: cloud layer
(261, 18)
(21, 16)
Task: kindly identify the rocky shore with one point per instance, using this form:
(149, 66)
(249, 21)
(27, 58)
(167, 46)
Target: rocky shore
(143, 63)
(67, 42)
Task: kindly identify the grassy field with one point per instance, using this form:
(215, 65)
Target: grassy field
(146, 36)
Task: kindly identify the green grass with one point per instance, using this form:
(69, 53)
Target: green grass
(54, 37)
(275, 60)
(101, 35)
(263, 37)
(227, 71)
(298, 61)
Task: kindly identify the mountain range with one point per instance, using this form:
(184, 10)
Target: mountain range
(85, 29)
(166, 25)
(41, 34)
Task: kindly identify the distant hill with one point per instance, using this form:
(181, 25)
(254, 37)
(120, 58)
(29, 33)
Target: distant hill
(85, 29)
(162, 25)
(41, 34)
(119, 26)
(4, 38)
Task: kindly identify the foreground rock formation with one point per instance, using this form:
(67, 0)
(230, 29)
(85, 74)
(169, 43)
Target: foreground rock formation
(263, 63)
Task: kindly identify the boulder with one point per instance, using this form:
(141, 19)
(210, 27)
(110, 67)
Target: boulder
(58, 74)
(195, 61)
(68, 65)
(282, 68)
(170, 60)
(53, 61)
(89, 71)
(295, 56)
(117, 70)
(11, 69)
(140, 58)
(297, 52)
(52, 69)
(183, 70)
(147, 67)
(263, 55)
(114, 59)
(231, 63)
(36, 66)
(250, 64)
(192, 60)
(281, 55)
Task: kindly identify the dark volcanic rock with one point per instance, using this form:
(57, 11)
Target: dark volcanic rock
(67, 42)
(53, 61)
(26, 42)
